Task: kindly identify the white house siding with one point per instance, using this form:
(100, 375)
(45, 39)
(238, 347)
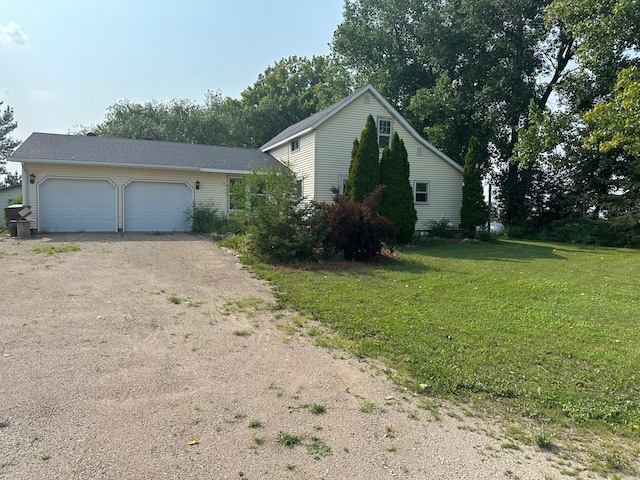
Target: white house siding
(301, 161)
(334, 141)
(213, 186)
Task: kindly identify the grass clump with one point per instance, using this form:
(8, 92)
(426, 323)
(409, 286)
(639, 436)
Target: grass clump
(317, 409)
(175, 299)
(55, 249)
(288, 440)
(255, 424)
(317, 448)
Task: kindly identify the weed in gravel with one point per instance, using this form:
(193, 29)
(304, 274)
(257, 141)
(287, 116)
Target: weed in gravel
(258, 440)
(242, 333)
(44, 458)
(4, 423)
(367, 407)
(289, 466)
(509, 446)
(317, 409)
(54, 249)
(255, 424)
(543, 439)
(389, 432)
(175, 299)
(318, 448)
(288, 440)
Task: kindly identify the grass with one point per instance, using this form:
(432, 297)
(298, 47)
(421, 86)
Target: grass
(55, 249)
(544, 330)
(288, 440)
(317, 409)
(317, 448)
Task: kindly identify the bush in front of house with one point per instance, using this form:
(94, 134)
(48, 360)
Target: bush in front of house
(279, 225)
(206, 218)
(356, 227)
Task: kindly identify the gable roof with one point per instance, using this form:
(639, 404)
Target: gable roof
(125, 152)
(314, 121)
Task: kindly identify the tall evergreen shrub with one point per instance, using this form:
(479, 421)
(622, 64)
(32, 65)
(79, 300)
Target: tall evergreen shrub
(364, 171)
(474, 209)
(396, 200)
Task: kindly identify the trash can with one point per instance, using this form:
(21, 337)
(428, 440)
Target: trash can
(16, 213)
(23, 229)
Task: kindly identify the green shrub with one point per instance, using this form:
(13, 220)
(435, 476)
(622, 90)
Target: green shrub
(357, 228)
(205, 217)
(485, 235)
(441, 228)
(279, 225)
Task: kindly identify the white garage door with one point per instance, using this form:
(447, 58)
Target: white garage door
(77, 205)
(157, 207)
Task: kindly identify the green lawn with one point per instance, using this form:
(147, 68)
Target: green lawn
(548, 330)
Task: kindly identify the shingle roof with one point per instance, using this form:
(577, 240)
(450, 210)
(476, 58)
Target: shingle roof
(124, 152)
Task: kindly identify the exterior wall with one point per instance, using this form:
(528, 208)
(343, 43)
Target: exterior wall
(334, 141)
(213, 186)
(301, 161)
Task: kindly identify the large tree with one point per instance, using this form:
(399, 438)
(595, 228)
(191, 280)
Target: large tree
(396, 200)
(364, 171)
(462, 68)
(7, 144)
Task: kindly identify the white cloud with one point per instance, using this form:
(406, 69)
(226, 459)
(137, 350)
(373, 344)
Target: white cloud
(12, 36)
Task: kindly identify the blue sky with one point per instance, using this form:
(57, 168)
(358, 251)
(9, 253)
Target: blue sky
(63, 62)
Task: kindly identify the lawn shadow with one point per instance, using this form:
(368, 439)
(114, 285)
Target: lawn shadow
(503, 251)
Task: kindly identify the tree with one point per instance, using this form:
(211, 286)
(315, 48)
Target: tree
(461, 68)
(474, 209)
(364, 171)
(7, 144)
(396, 200)
(12, 179)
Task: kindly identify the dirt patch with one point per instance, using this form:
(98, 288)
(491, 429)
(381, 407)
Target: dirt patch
(160, 356)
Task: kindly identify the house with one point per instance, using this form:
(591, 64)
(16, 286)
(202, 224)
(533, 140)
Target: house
(318, 149)
(96, 184)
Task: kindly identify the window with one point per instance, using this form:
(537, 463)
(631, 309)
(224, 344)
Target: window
(421, 191)
(385, 129)
(419, 151)
(295, 144)
(342, 181)
(230, 182)
(299, 189)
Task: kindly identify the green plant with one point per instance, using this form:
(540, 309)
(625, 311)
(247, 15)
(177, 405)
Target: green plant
(175, 299)
(317, 409)
(205, 217)
(543, 439)
(54, 249)
(255, 424)
(280, 226)
(318, 448)
(474, 209)
(258, 440)
(4, 423)
(288, 440)
(242, 333)
(441, 228)
(389, 432)
(364, 171)
(357, 229)
(396, 200)
(367, 407)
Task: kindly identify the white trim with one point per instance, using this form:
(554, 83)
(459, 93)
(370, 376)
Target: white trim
(428, 192)
(379, 119)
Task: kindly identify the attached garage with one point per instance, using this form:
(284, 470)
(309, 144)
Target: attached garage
(156, 206)
(77, 205)
(85, 183)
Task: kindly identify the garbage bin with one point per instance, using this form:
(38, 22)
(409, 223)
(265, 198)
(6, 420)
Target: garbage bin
(24, 228)
(15, 213)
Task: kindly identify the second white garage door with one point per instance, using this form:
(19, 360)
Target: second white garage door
(157, 207)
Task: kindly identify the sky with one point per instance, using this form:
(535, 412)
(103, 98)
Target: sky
(64, 62)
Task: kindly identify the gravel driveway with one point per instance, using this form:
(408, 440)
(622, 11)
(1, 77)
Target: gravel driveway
(104, 376)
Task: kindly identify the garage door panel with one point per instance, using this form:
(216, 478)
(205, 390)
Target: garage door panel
(157, 206)
(77, 205)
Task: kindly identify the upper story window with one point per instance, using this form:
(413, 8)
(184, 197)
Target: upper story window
(295, 144)
(342, 181)
(385, 130)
